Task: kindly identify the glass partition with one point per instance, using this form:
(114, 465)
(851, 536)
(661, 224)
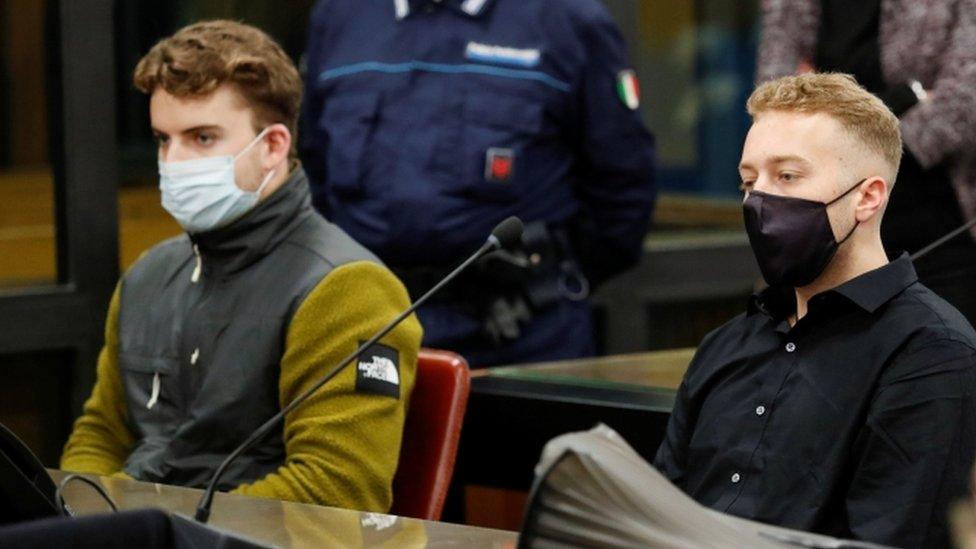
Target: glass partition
(27, 235)
(696, 63)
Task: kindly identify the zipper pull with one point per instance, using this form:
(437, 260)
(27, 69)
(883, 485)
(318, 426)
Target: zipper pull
(155, 392)
(195, 277)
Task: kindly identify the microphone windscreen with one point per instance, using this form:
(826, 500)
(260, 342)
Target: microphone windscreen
(508, 232)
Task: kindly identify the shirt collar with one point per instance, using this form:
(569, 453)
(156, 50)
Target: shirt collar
(869, 291)
(471, 8)
(873, 289)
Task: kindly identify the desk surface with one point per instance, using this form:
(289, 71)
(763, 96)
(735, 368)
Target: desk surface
(285, 524)
(650, 371)
(633, 393)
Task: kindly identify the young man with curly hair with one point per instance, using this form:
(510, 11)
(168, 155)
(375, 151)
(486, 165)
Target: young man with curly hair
(211, 333)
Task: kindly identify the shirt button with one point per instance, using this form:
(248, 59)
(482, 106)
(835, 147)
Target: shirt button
(760, 410)
(790, 347)
(736, 478)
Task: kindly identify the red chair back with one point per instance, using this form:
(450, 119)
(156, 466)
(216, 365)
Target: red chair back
(431, 433)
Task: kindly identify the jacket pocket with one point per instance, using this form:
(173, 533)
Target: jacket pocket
(497, 146)
(151, 392)
(348, 121)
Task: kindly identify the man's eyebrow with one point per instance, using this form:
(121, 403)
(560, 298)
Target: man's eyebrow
(778, 160)
(790, 158)
(194, 129)
(201, 128)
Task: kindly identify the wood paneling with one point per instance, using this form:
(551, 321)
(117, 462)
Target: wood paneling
(27, 226)
(491, 507)
(25, 59)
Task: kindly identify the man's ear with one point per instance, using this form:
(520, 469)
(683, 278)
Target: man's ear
(874, 196)
(278, 139)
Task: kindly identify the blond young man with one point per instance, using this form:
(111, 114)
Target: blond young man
(844, 400)
(210, 333)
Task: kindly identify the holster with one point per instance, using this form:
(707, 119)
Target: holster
(506, 288)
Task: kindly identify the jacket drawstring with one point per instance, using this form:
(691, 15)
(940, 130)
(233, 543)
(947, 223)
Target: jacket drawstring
(195, 277)
(155, 392)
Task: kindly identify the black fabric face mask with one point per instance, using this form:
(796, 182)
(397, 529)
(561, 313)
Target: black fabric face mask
(791, 237)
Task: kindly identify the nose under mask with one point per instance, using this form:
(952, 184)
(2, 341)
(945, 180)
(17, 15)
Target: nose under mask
(202, 194)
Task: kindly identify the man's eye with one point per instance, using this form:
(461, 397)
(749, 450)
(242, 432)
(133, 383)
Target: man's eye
(745, 186)
(788, 176)
(205, 139)
(160, 140)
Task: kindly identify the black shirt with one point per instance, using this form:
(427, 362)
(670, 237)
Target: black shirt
(859, 421)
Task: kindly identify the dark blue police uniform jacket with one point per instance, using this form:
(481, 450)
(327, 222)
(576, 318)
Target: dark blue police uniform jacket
(427, 122)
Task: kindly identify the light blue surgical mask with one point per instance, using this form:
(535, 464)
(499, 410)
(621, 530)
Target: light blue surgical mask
(201, 193)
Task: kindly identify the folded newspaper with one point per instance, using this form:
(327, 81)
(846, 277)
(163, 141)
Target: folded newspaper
(593, 490)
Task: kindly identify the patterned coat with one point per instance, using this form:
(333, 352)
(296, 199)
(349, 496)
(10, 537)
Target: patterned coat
(932, 41)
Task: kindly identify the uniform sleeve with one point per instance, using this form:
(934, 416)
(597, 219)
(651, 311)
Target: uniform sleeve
(913, 456)
(617, 188)
(343, 443)
(101, 441)
(945, 124)
(312, 140)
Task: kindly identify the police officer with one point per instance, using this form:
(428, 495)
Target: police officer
(429, 121)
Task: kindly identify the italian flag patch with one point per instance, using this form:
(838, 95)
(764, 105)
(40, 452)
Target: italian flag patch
(628, 89)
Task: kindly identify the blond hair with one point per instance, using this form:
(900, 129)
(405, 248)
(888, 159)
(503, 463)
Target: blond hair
(859, 112)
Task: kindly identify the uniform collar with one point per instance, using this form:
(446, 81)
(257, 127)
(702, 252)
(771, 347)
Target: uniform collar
(235, 247)
(471, 8)
(869, 291)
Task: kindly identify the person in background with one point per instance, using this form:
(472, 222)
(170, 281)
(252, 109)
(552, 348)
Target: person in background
(426, 122)
(210, 333)
(844, 400)
(919, 57)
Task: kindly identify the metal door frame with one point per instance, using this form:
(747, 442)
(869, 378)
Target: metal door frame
(69, 314)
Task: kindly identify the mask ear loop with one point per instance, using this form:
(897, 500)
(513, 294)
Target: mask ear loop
(856, 222)
(848, 191)
(253, 142)
(257, 139)
(264, 183)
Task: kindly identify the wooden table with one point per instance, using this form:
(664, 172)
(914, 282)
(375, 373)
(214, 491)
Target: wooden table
(285, 524)
(637, 371)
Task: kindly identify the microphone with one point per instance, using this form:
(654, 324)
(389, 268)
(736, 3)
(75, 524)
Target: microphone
(504, 235)
(507, 234)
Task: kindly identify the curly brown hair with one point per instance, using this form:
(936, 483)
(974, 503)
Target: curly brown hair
(201, 57)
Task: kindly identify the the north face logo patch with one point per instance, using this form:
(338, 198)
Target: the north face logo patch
(378, 371)
(380, 368)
